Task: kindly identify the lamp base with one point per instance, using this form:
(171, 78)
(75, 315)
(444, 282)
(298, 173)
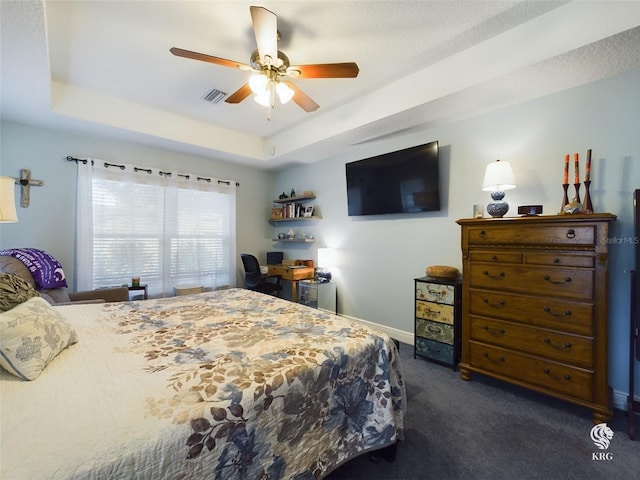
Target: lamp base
(498, 208)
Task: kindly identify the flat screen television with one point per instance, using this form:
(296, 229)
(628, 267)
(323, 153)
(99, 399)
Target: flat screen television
(404, 181)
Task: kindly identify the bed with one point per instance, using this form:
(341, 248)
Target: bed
(221, 385)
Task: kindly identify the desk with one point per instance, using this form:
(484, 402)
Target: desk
(292, 273)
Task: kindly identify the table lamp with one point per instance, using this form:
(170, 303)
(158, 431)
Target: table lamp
(7, 200)
(326, 261)
(498, 177)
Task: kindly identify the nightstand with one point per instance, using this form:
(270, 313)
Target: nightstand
(438, 320)
(317, 294)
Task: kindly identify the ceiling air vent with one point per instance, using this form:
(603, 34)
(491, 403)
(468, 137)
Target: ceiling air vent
(215, 96)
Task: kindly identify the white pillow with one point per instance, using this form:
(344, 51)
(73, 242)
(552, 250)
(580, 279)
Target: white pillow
(31, 336)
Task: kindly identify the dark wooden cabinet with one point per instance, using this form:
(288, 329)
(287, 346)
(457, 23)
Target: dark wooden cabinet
(437, 320)
(534, 305)
(633, 405)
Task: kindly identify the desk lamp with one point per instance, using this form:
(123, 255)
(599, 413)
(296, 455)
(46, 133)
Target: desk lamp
(326, 260)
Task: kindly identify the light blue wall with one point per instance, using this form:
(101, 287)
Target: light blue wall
(49, 222)
(379, 257)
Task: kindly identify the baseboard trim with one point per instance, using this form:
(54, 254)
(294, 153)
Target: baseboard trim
(619, 399)
(401, 335)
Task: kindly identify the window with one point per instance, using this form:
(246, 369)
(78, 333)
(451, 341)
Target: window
(167, 229)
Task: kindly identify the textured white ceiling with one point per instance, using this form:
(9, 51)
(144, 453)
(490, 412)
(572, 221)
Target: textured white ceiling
(104, 67)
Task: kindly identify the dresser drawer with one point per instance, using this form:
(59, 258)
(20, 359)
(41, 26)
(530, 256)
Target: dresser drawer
(495, 256)
(564, 379)
(435, 292)
(558, 259)
(441, 332)
(545, 312)
(434, 311)
(532, 235)
(563, 282)
(572, 349)
(440, 352)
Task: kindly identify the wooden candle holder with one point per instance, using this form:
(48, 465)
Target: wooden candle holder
(588, 208)
(565, 198)
(577, 187)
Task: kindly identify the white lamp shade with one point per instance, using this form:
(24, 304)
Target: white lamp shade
(285, 93)
(498, 177)
(7, 200)
(263, 98)
(258, 83)
(326, 258)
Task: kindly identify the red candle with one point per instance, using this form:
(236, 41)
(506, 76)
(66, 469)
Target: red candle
(587, 175)
(565, 179)
(577, 168)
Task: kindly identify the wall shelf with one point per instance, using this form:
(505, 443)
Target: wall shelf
(295, 199)
(295, 240)
(294, 219)
(292, 210)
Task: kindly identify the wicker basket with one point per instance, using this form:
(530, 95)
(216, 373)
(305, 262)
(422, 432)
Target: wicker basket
(443, 272)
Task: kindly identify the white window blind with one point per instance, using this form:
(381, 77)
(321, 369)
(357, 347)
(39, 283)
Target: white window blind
(168, 230)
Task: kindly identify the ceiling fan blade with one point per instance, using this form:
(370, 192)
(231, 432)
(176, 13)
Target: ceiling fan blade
(179, 52)
(303, 100)
(325, 70)
(240, 94)
(265, 28)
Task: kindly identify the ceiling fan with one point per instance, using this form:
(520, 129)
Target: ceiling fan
(272, 68)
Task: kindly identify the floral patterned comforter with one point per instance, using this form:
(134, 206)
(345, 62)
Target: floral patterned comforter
(230, 384)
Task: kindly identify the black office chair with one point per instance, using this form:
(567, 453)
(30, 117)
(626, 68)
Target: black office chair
(254, 280)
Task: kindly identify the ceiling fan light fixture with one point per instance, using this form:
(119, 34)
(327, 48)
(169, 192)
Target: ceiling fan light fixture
(269, 65)
(285, 93)
(263, 98)
(258, 83)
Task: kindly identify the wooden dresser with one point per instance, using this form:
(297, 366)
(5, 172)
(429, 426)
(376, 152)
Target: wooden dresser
(534, 305)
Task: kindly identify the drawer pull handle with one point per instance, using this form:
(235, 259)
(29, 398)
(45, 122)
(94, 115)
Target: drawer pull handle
(498, 360)
(565, 378)
(571, 233)
(500, 276)
(500, 304)
(556, 260)
(493, 331)
(437, 293)
(566, 346)
(494, 258)
(482, 234)
(434, 330)
(557, 282)
(566, 313)
(435, 313)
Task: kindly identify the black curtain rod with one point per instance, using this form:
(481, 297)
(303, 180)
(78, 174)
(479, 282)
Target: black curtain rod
(69, 158)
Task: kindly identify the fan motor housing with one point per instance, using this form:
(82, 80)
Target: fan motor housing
(280, 66)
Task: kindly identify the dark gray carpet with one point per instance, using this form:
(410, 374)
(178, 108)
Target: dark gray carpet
(486, 429)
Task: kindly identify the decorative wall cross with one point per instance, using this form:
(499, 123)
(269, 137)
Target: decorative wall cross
(26, 182)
